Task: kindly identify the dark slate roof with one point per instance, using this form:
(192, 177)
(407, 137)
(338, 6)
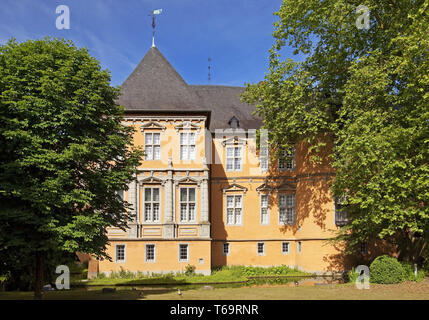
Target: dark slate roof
(154, 85)
(225, 103)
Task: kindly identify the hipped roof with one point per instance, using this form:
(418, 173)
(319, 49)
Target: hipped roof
(155, 85)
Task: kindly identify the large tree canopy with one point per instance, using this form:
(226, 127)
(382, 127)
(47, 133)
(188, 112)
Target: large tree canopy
(64, 154)
(368, 90)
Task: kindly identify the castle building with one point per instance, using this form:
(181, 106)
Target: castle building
(205, 194)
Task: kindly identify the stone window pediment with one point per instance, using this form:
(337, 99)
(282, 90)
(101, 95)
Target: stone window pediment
(234, 187)
(187, 125)
(152, 125)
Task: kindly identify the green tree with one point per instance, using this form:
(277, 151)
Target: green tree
(64, 154)
(367, 89)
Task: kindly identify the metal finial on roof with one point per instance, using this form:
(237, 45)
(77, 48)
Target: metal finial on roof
(153, 14)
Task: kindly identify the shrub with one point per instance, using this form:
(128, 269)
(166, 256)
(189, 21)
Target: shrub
(352, 275)
(385, 269)
(190, 270)
(409, 272)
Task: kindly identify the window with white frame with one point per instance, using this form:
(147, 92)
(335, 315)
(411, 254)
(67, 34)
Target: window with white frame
(151, 205)
(120, 253)
(286, 160)
(263, 158)
(225, 248)
(187, 204)
(341, 216)
(187, 146)
(152, 146)
(150, 253)
(285, 247)
(286, 209)
(183, 252)
(261, 248)
(299, 247)
(234, 206)
(265, 216)
(233, 158)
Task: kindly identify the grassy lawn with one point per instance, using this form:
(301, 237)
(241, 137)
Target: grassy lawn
(406, 290)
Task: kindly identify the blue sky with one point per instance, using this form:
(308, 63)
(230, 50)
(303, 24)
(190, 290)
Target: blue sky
(236, 34)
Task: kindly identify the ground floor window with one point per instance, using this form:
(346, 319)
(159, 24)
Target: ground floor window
(285, 247)
(120, 253)
(150, 253)
(261, 248)
(183, 252)
(299, 247)
(225, 249)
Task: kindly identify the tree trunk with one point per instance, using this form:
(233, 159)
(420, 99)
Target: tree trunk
(38, 275)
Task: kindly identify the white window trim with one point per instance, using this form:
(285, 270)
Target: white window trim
(293, 162)
(226, 210)
(187, 221)
(233, 162)
(268, 209)
(261, 157)
(187, 252)
(294, 209)
(229, 248)
(116, 252)
(188, 153)
(152, 146)
(257, 249)
(144, 205)
(154, 252)
(288, 247)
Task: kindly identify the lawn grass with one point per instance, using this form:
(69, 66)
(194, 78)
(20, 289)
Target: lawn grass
(407, 290)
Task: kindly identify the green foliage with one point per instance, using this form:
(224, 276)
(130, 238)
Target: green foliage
(385, 270)
(367, 92)
(409, 272)
(64, 154)
(190, 270)
(352, 275)
(219, 275)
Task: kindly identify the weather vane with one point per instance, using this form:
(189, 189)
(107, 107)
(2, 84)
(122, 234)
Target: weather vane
(153, 14)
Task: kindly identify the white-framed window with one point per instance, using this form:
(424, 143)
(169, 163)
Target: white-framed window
(225, 248)
(265, 214)
(150, 253)
(263, 158)
(299, 247)
(287, 209)
(183, 252)
(341, 216)
(151, 204)
(287, 160)
(234, 209)
(260, 248)
(187, 146)
(152, 146)
(234, 158)
(187, 204)
(286, 247)
(120, 253)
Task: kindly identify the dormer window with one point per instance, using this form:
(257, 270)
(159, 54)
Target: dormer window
(234, 123)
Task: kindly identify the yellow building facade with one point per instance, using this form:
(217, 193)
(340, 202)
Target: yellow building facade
(206, 195)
